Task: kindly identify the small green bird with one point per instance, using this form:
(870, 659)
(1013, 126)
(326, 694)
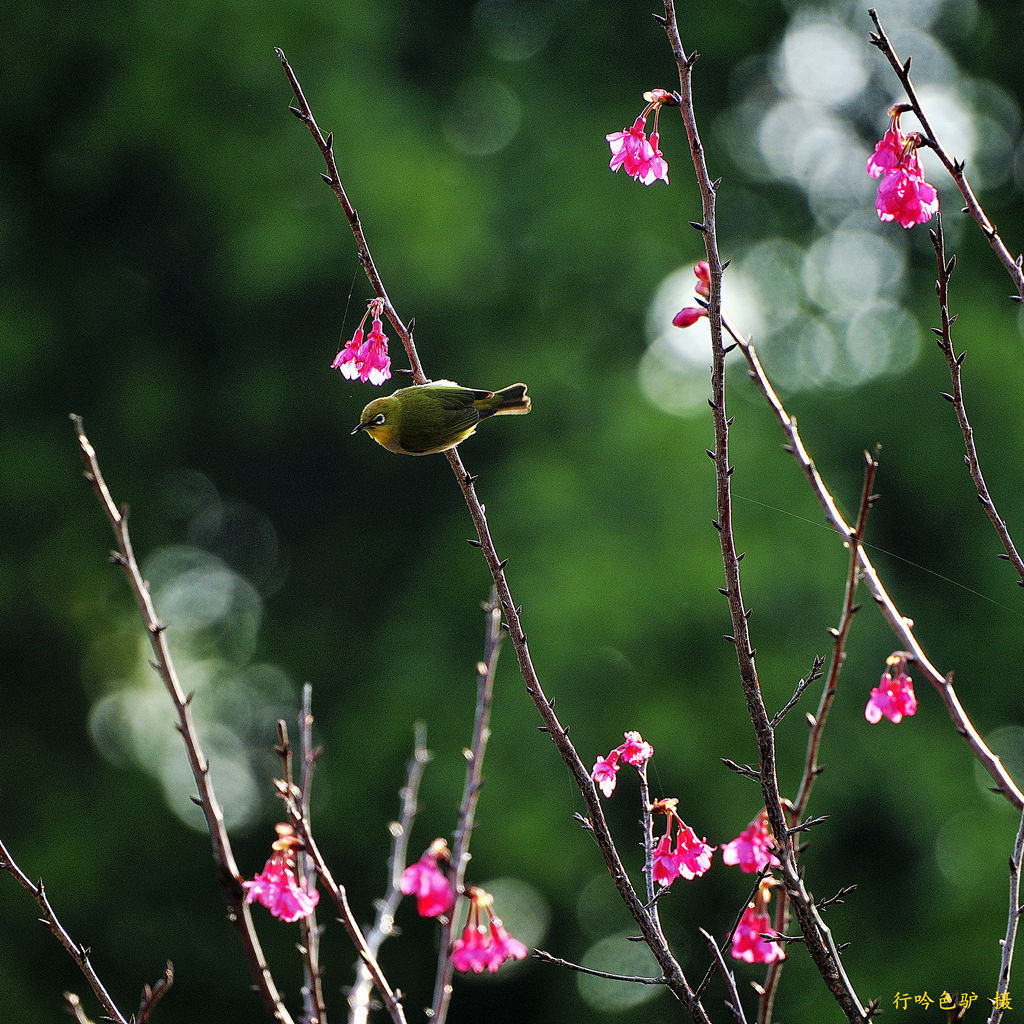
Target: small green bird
(428, 418)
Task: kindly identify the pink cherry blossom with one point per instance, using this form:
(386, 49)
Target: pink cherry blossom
(751, 849)
(693, 855)
(628, 147)
(892, 697)
(702, 272)
(665, 866)
(688, 316)
(428, 883)
(889, 151)
(481, 946)
(906, 198)
(632, 150)
(503, 947)
(347, 360)
(604, 772)
(375, 364)
(472, 952)
(277, 888)
(747, 943)
(653, 166)
(636, 750)
(903, 194)
(366, 359)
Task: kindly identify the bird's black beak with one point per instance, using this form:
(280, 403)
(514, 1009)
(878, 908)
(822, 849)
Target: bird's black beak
(359, 426)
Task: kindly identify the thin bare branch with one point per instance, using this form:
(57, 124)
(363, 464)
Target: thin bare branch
(674, 975)
(78, 952)
(817, 935)
(735, 1006)
(1002, 999)
(384, 920)
(339, 896)
(556, 961)
(314, 1003)
(227, 870)
(944, 337)
(485, 671)
(954, 167)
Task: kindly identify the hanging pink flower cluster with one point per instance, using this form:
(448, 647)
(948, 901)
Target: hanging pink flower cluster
(483, 945)
(368, 360)
(894, 694)
(689, 858)
(752, 940)
(752, 851)
(689, 315)
(633, 151)
(752, 848)
(428, 882)
(680, 854)
(635, 751)
(903, 195)
(276, 887)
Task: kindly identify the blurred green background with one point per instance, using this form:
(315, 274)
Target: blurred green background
(175, 271)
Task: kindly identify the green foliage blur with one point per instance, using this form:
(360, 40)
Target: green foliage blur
(174, 270)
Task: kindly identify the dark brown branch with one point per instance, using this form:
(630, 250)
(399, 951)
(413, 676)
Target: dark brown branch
(339, 897)
(900, 625)
(944, 337)
(78, 952)
(546, 958)
(818, 937)
(1012, 921)
(674, 976)
(227, 871)
(954, 167)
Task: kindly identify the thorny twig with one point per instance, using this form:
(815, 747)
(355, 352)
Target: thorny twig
(485, 671)
(901, 626)
(817, 721)
(954, 167)
(556, 961)
(730, 979)
(339, 897)
(79, 953)
(818, 937)
(1013, 919)
(944, 337)
(227, 870)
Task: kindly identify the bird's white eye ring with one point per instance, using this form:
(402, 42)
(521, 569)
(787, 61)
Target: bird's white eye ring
(378, 420)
